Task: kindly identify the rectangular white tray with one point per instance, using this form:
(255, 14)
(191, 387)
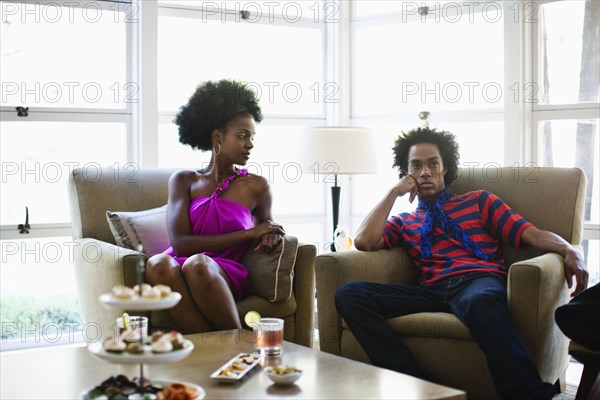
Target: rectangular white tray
(236, 368)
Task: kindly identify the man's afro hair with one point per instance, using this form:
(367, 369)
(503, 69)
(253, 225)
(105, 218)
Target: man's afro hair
(212, 106)
(444, 140)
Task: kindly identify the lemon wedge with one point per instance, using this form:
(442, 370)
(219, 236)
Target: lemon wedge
(251, 318)
(125, 321)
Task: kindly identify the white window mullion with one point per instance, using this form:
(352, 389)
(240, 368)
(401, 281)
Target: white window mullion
(145, 112)
(517, 112)
(339, 48)
(36, 231)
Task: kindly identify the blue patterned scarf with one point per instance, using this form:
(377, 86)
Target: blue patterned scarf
(435, 214)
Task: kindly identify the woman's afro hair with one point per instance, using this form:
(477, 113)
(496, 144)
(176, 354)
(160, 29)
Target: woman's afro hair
(212, 106)
(444, 140)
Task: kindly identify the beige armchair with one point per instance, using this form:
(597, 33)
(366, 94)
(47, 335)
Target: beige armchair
(552, 199)
(100, 264)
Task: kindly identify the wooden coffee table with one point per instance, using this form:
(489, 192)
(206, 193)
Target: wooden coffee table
(66, 373)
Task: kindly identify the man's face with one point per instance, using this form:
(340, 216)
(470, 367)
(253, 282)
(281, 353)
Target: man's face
(425, 164)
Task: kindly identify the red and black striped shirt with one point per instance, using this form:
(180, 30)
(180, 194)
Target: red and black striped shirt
(484, 217)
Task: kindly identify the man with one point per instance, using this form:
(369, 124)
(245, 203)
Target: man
(454, 242)
(580, 319)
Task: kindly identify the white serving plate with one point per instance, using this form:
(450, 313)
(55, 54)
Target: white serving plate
(137, 396)
(148, 357)
(236, 375)
(139, 304)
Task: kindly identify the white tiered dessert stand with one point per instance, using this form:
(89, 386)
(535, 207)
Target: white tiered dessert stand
(147, 357)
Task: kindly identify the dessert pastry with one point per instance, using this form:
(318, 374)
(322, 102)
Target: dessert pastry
(144, 290)
(151, 294)
(139, 289)
(162, 346)
(118, 386)
(176, 339)
(165, 290)
(114, 346)
(123, 292)
(135, 348)
(157, 335)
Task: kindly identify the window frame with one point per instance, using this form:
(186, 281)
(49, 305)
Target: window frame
(126, 115)
(520, 118)
(553, 112)
(189, 11)
(74, 114)
(504, 113)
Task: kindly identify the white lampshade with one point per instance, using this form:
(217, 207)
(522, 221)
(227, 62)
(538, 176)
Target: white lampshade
(338, 150)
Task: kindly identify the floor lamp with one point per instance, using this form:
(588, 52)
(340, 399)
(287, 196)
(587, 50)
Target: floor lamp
(338, 150)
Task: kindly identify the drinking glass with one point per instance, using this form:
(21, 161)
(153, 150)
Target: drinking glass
(138, 327)
(268, 337)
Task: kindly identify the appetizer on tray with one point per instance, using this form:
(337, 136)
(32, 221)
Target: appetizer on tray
(236, 368)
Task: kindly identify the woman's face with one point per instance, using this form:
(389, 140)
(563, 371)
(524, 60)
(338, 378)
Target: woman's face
(237, 139)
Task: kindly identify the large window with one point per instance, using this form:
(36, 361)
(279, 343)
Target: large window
(430, 62)
(37, 157)
(409, 57)
(54, 63)
(459, 62)
(565, 96)
(278, 48)
(38, 304)
(55, 56)
(66, 99)
(92, 83)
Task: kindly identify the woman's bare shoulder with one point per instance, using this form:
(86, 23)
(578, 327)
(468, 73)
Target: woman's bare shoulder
(184, 175)
(255, 182)
(186, 180)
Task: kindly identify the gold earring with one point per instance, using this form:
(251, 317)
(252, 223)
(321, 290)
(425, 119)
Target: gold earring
(218, 151)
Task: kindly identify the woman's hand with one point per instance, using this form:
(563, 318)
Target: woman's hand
(265, 228)
(269, 234)
(268, 242)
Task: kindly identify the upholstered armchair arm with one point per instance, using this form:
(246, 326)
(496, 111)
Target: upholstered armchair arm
(304, 291)
(334, 270)
(536, 287)
(98, 267)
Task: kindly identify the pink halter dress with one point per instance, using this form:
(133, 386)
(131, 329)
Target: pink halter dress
(215, 215)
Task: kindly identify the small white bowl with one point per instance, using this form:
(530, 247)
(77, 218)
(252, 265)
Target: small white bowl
(283, 379)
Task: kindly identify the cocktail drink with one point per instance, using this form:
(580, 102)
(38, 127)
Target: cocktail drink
(137, 328)
(268, 336)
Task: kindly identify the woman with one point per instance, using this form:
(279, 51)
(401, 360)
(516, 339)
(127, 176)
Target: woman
(213, 214)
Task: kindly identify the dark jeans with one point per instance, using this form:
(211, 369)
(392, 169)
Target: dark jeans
(580, 318)
(477, 299)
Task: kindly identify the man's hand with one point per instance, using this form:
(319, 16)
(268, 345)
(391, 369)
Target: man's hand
(407, 184)
(574, 266)
(369, 234)
(573, 263)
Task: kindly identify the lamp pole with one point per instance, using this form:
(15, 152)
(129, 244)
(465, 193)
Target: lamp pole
(335, 205)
